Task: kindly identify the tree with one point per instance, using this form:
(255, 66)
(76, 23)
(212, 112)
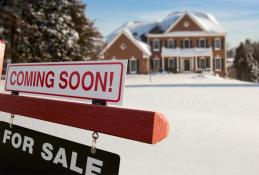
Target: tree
(246, 61)
(48, 30)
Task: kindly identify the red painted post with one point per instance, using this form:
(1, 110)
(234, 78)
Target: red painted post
(143, 126)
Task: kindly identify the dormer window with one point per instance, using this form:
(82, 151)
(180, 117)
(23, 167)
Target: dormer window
(156, 45)
(171, 43)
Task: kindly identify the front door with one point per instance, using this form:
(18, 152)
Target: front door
(187, 65)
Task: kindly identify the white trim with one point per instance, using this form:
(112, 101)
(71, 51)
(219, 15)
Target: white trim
(184, 34)
(185, 14)
(133, 59)
(130, 38)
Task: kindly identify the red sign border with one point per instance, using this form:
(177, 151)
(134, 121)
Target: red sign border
(66, 64)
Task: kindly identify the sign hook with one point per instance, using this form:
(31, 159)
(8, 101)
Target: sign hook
(11, 120)
(95, 136)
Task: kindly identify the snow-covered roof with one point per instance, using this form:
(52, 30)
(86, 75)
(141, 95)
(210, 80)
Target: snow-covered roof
(190, 52)
(206, 20)
(135, 30)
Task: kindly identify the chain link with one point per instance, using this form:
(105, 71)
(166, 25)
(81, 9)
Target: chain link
(95, 136)
(12, 120)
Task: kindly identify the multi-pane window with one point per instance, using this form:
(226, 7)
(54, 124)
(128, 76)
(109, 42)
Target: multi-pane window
(156, 64)
(217, 44)
(218, 64)
(187, 43)
(203, 63)
(171, 43)
(133, 65)
(156, 44)
(202, 43)
(171, 64)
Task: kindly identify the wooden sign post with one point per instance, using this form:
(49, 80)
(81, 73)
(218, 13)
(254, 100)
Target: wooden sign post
(100, 82)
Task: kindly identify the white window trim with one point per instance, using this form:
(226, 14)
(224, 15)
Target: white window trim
(216, 69)
(171, 40)
(215, 40)
(202, 39)
(156, 59)
(206, 68)
(184, 46)
(168, 62)
(156, 49)
(133, 59)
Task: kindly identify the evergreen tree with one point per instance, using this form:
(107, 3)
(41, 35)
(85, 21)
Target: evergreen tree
(247, 61)
(48, 30)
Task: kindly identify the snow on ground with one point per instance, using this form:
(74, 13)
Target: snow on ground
(214, 126)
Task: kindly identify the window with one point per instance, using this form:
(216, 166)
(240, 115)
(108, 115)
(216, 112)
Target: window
(217, 44)
(186, 24)
(171, 64)
(133, 65)
(203, 63)
(218, 65)
(123, 46)
(202, 43)
(156, 64)
(187, 43)
(156, 45)
(171, 43)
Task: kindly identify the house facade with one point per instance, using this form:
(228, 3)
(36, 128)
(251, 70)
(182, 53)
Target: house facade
(182, 42)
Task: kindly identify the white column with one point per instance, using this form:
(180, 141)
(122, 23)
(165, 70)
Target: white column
(178, 64)
(163, 64)
(211, 62)
(196, 63)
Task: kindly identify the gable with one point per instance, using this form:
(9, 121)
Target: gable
(185, 24)
(124, 48)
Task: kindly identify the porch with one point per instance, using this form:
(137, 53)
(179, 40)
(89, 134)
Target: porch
(187, 60)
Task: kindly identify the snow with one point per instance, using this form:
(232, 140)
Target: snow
(214, 126)
(206, 20)
(169, 52)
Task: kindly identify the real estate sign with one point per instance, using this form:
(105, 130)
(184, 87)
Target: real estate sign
(2, 49)
(24, 151)
(101, 80)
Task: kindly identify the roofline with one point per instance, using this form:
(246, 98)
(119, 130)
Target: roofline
(188, 14)
(165, 35)
(130, 38)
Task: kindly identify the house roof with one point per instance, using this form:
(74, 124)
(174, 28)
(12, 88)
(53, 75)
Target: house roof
(136, 31)
(206, 20)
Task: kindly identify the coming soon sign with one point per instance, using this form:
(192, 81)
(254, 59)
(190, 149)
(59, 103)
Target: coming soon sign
(102, 80)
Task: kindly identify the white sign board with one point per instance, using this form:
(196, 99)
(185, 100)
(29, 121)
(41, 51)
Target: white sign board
(101, 80)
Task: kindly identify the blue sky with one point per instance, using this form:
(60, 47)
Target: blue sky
(239, 17)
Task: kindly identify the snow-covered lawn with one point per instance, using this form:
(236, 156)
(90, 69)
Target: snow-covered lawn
(214, 126)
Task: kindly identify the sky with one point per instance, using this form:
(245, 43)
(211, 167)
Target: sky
(240, 18)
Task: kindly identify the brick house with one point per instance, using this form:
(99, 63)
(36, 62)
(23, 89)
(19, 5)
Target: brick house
(182, 42)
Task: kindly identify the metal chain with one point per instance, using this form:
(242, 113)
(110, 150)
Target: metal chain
(95, 136)
(11, 120)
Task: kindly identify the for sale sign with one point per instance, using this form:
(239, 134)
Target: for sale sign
(2, 49)
(24, 151)
(102, 80)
